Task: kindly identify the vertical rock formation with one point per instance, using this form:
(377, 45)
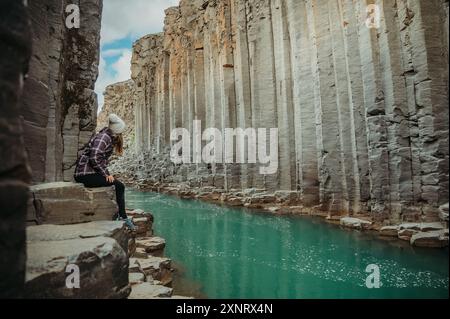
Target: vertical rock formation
(119, 100)
(14, 171)
(362, 112)
(54, 116)
(59, 103)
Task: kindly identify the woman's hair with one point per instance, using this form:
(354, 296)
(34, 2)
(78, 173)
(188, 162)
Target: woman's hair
(118, 144)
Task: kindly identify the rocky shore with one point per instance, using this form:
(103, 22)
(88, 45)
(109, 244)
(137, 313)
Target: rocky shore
(419, 233)
(73, 230)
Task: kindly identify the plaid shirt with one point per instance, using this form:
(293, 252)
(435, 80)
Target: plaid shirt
(95, 155)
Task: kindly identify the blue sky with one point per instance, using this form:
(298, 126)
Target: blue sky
(123, 22)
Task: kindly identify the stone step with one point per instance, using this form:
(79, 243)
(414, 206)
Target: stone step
(432, 239)
(151, 245)
(113, 229)
(148, 291)
(355, 223)
(70, 203)
(101, 261)
(136, 278)
(157, 268)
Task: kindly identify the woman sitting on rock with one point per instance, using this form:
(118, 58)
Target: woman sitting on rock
(91, 169)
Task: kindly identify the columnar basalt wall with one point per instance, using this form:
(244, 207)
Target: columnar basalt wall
(15, 53)
(59, 104)
(118, 99)
(362, 112)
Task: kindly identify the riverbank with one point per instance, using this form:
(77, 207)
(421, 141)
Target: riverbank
(286, 203)
(231, 252)
(75, 250)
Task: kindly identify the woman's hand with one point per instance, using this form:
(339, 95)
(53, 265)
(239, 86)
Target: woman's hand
(110, 179)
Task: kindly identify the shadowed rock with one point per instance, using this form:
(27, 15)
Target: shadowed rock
(70, 203)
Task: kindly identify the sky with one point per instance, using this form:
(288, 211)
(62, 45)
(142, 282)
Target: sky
(123, 22)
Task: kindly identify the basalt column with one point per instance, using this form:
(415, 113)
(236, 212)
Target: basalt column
(15, 41)
(59, 103)
(361, 111)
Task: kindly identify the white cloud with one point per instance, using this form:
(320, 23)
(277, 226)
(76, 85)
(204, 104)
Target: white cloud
(134, 18)
(120, 20)
(116, 72)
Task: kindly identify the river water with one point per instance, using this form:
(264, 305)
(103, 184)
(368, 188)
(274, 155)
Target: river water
(222, 252)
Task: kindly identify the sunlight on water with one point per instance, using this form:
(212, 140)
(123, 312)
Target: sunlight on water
(232, 253)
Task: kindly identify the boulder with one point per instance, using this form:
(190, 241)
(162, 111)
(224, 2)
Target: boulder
(355, 223)
(143, 225)
(156, 267)
(389, 231)
(422, 227)
(140, 253)
(134, 266)
(148, 291)
(443, 212)
(113, 229)
(102, 264)
(433, 239)
(69, 203)
(152, 245)
(131, 246)
(406, 234)
(135, 278)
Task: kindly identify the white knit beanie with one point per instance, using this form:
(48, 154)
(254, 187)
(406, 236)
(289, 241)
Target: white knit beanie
(116, 124)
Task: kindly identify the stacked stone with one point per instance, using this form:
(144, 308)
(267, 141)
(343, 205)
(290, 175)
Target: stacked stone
(362, 113)
(150, 274)
(76, 237)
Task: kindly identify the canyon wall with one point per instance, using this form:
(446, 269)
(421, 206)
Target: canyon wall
(47, 109)
(119, 100)
(362, 112)
(59, 106)
(15, 43)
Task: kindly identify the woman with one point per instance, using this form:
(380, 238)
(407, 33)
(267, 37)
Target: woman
(91, 169)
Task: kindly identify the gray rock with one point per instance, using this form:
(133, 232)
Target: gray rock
(103, 266)
(70, 203)
(149, 291)
(152, 245)
(156, 267)
(59, 105)
(377, 156)
(136, 278)
(423, 227)
(434, 239)
(355, 223)
(112, 229)
(443, 212)
(134, 266)
(389, 231)
(15, 44)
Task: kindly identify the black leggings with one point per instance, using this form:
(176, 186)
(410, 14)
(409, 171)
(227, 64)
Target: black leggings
(98, 180)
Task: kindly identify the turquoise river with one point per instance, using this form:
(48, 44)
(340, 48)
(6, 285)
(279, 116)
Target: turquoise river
(222, 252)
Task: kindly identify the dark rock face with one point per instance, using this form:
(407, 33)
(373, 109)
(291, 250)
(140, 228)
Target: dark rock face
(14, 172)
(59, 104)
(97, 249)
(63, 203)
